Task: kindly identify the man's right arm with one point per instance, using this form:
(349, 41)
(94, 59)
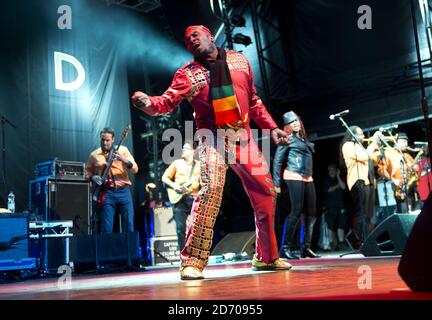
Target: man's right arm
(90, 167)
(156, 105)
(350, 153)
(91, 170)
(280, 156)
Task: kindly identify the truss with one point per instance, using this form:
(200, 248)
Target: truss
(138, 5)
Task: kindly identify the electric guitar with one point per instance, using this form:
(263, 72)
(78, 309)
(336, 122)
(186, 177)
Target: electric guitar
(175, 197)
(99, 192)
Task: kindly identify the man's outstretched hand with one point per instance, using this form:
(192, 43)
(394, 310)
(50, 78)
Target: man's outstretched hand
(279, 136)
(141, 100)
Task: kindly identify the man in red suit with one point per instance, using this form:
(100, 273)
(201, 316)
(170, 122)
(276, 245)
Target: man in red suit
(220, 87)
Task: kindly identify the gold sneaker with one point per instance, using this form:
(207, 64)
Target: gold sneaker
(190, 273)
(278, 264)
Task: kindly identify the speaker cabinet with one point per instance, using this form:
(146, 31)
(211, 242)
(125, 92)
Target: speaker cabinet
(119, 249)
(164, 223)
(416, 262)
(390, 236)
(237, 242)
(54, 199)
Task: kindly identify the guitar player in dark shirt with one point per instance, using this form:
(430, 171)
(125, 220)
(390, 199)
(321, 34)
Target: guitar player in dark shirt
(182, 181)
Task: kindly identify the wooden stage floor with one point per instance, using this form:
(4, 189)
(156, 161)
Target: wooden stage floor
(316, 279)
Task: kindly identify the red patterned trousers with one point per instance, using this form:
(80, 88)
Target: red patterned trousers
(250, 165)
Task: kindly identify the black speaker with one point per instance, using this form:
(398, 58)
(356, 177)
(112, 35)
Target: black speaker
(416, 262)
(237, 242)
(390, 236)
(14, 234)
(119, 249)
(54, 199)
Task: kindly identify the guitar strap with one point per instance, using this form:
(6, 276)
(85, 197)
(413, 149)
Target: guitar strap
(193, 166)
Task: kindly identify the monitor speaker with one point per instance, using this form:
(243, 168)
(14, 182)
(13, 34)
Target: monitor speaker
(390, 236)
(416, 262)
(237, 242)
(114, 249)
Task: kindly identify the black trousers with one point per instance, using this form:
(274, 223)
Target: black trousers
(364, 200)
(303, 199)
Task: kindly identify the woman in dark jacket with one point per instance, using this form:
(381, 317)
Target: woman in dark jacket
(296, 157)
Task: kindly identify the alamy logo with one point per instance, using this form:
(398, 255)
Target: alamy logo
(364, 282)
(65, 20)
(364, 22)
(65, 280)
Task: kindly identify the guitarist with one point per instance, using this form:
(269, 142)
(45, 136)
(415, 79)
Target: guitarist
(115, 192)
(177, 177)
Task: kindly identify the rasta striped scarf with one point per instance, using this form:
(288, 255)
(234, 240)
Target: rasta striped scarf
(225, 105)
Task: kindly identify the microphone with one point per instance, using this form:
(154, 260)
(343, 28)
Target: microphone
(420, 143)
(388, 128)
(339, 114)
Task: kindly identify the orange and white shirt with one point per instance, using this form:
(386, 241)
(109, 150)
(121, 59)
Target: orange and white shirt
(97, 162)
(357, 162)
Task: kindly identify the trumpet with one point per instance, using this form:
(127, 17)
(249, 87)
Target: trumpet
(414, 149)
(386, 138)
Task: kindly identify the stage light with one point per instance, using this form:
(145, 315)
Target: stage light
(242, 39)
(238, 21)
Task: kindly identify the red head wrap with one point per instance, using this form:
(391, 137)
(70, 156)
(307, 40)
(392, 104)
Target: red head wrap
(190, 29)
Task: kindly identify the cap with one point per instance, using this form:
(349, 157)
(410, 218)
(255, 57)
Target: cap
(289, 117)
(402, 135)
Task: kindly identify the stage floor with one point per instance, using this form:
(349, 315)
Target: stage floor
(330, 278)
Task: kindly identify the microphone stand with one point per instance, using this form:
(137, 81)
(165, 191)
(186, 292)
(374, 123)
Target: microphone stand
(424, 101)
(4, 120)
(385, 182)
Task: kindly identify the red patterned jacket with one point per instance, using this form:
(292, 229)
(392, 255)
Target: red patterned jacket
(192, 81)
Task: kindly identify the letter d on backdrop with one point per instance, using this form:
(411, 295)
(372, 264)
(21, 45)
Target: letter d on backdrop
(59, 58)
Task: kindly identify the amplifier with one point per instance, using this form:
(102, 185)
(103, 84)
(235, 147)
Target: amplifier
(52, 199)
(164, 223)
(62, 170)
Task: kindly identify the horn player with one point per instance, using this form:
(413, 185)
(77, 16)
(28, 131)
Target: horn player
(400, 167)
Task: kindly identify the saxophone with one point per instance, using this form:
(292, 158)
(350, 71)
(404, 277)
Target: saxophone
(414, 176)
